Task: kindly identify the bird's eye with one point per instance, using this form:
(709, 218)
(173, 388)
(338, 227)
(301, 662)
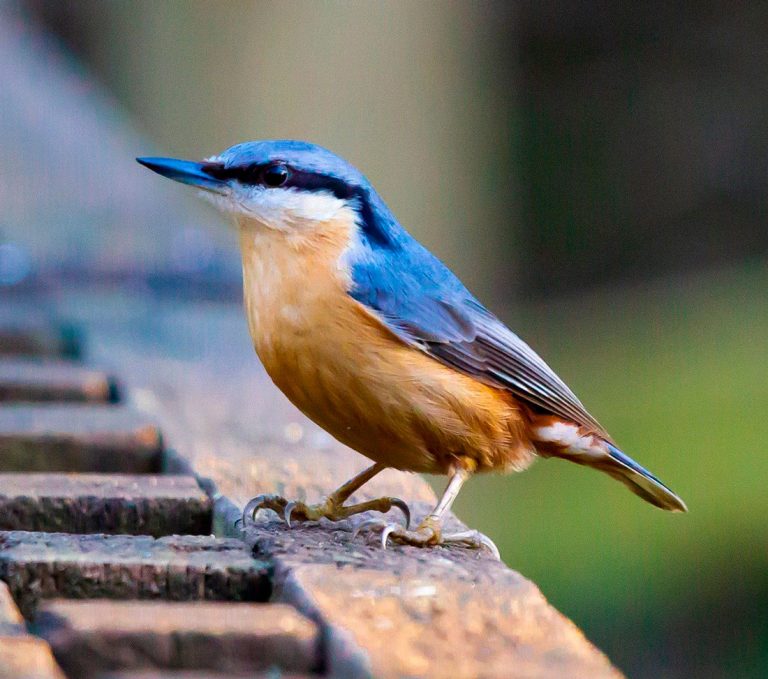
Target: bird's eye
(275, 175)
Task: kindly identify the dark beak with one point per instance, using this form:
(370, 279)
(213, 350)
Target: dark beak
(184, 171)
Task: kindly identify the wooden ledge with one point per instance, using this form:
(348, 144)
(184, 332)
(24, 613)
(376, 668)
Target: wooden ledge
(384, 613)
(428, 613)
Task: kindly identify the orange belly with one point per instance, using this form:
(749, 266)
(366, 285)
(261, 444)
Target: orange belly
(394, 404)
(348, 373)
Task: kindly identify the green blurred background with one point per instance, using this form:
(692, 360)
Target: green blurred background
(596, 172)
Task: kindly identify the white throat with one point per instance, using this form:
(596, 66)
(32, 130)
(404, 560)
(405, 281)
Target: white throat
(281, 209)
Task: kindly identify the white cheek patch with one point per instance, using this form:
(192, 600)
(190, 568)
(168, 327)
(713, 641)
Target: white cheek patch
(283, 209)
(567, 435)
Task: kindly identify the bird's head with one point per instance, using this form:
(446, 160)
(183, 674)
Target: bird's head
(287, 186)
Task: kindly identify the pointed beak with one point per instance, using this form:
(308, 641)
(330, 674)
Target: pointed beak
(184, 171)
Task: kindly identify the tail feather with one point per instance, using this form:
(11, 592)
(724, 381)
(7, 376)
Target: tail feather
(639, 480)
(557, 438)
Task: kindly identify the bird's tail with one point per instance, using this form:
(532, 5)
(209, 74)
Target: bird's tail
(639, 480)
(556, 438)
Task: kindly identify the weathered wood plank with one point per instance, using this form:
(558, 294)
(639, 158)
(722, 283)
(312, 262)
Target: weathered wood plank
(104, 503)
(180, 568)
(27, 381)
(29, 329)
(77, 438)
(440, 615)
(89, 637)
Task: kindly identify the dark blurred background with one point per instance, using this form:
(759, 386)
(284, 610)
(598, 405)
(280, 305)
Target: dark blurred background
(596, 172)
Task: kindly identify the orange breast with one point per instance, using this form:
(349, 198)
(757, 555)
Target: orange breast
(347, 372)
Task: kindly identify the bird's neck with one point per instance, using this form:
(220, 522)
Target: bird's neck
(292, 278)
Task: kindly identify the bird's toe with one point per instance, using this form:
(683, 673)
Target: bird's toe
(428, 534)
(473, 539)
(423, 536)
(274, 502)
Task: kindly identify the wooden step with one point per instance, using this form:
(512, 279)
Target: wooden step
(77, 438)
(179, 568)
(104, 503)
(27, 330)
(90, 637)
(30, 381)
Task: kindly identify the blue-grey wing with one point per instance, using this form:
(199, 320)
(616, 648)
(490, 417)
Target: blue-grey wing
(426, 306)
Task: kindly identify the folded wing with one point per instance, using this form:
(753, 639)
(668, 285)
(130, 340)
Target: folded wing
(426, 306)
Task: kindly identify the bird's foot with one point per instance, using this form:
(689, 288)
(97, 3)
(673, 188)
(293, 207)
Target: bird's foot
(427, 534)
(331, 508)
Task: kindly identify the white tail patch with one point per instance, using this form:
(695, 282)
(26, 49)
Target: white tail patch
(569, 436)
(593, 451)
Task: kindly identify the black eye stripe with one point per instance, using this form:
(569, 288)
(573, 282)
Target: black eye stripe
(253, 175)
(245, 174)
(308, 181)
(311, 181)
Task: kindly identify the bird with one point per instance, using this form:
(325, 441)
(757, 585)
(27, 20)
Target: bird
(374, 339)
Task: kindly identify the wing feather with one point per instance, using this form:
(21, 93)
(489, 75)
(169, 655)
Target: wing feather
(426, 306)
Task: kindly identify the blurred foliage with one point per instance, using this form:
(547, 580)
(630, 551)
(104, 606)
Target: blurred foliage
(678, 374)
(643, 141)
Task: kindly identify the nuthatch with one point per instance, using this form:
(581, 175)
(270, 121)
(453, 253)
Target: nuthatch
(375, 340)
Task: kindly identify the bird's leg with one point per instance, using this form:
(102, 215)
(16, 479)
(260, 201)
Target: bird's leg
(429, 531)
(332, 507)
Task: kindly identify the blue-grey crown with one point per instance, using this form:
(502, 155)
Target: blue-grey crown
(310, 168)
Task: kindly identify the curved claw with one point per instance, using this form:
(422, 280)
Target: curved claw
(287, 513)
(253, 506)
(489, 545)
(474, 538)
(388, 530)
(400, 504)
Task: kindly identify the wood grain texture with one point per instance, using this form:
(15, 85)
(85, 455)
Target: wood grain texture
(77, 438)
(213, 636)
(30, 381)
(179, 568)
(145, 504)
